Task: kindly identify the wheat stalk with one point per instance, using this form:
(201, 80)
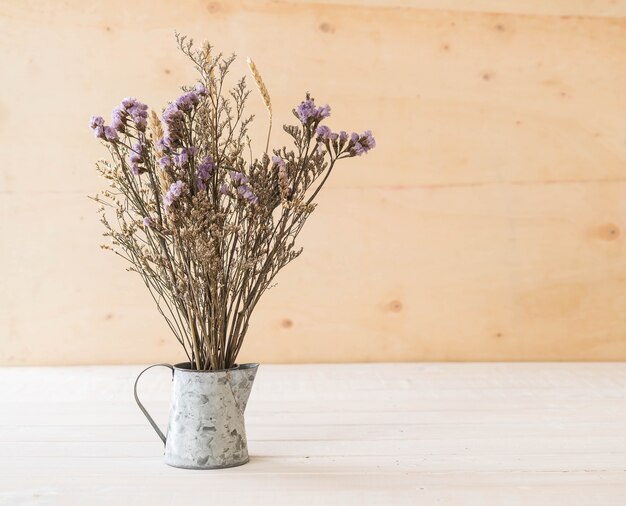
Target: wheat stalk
(264, 93)
(155, 127)
(156, 130)
(209, 64)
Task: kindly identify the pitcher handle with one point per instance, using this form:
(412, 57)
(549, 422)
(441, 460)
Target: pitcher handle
(143, 410)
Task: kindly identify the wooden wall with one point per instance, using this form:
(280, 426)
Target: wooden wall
(487, 225)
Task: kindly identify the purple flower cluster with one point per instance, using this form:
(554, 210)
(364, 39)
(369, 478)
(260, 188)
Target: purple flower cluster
(173, 123)
(325, 134)
(185, 156)
(174, 116)
(308, 113)
(165, 162)
(187, 101)
(357, 145)
(147, 221)
(278, 161)
(240, 182)
(205, 171)
(136, 158)
(248, 194)
(361, 144)
(161, 146)
(132, 109)
(175, 191)
(106, 133)
(238, 178)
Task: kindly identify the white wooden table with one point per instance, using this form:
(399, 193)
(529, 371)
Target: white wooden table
(394, 434)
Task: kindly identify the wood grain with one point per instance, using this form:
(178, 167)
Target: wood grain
(370, 434)
(487, 225)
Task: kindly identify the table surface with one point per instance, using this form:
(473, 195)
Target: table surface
(388, 434)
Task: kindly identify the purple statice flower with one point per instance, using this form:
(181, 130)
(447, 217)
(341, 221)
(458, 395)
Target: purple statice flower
(183, 158)
(147, 221)
(130, 108)
(225, 189)
(136, 158)
(278, 161)
(307, 112)
(238, 178)
(177, 188)
(323, 131)
(96, 123)
(240, 182)
(173, 123)
(118, 119)
(248, 194)
(357, 149)
(175, 191)
(361, 144)
(110, 134)
(165, 162)
(161, 146)
(323, 112)
(138, 110)
(128, 102)
(141, 124)
(136, 155)
(205, 171)
(187, 101)
(368, 140)
(201, 90)
(106, 133)
(172, 113)
(134, 107)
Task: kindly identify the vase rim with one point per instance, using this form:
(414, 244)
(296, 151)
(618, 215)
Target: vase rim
(186, 367)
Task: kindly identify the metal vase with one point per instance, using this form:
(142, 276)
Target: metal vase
(206, 427)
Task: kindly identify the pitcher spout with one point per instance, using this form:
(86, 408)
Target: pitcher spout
(241, 380)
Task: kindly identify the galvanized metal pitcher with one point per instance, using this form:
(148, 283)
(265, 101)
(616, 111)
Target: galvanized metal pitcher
(206, 427)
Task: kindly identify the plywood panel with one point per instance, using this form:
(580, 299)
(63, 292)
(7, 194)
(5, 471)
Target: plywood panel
(488, 224)
(588, 8)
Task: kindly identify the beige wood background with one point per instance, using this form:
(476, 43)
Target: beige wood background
(487, 225)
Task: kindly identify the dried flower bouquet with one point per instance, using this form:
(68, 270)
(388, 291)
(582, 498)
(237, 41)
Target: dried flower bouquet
(206, 226)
